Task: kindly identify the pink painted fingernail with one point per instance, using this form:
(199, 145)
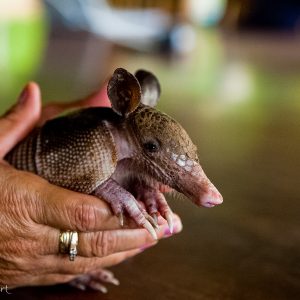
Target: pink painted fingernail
(167, 232)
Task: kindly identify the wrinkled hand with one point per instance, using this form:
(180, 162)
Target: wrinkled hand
(32, 213)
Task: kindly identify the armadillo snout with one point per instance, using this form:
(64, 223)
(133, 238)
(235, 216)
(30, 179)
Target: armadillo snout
(198, 188)
(211, 198)
(204, 193)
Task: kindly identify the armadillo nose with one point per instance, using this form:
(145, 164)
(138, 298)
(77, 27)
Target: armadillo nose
(211, 199)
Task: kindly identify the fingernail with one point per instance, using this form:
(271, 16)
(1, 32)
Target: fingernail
(167, 232)
(23, 96)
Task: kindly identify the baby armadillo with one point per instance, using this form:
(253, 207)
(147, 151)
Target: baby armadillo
(125, 154)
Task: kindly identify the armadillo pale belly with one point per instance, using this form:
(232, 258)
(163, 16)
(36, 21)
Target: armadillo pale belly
(75, 151)
(120, 154)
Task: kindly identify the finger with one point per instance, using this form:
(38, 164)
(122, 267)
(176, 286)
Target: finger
(81, 265)
(51, 279)
(20, 120)
(103, 262)
(97, 98)
(104, 243)
(68, 210)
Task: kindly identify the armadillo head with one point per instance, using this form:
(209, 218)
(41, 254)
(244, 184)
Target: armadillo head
(164, 149)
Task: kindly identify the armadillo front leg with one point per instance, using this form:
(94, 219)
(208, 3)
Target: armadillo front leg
(121, 200)
(155, 203)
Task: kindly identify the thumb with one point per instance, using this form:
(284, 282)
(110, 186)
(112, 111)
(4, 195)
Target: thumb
(97, 98)
(20, 119)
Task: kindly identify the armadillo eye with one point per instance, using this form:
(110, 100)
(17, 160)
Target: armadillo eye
(151, 146)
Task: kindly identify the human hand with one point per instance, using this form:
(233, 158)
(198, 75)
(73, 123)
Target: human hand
(33, 211)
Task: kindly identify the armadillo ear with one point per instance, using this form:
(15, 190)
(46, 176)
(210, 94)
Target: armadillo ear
(124, 92)
(150, 87)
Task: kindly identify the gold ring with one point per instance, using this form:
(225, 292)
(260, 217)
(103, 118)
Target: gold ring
(68, 241)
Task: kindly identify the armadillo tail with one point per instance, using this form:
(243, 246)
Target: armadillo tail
(22, 156)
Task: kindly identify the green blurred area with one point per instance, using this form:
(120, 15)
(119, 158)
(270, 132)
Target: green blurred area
(22, 42)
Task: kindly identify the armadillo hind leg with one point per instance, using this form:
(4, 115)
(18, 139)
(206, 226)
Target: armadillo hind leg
(122, 201)
(155, 202)
(94, 280)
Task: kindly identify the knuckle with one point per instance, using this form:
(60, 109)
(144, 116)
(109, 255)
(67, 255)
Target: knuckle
(103, 244)
(20, 197)
(85, 217)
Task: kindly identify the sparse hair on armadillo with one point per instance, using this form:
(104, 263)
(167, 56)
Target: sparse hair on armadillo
(125, 154)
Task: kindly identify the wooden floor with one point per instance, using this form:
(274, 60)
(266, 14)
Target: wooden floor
(239, 98)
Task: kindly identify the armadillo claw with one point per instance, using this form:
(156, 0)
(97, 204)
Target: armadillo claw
(155, 219)
(114, 281)
(94, 280)
(155, 203)
(151, 220)
(151, 230)
(146, 215)
(98, 287)
(107, 276)
(121, 219)
(169, 218)
(77, 285)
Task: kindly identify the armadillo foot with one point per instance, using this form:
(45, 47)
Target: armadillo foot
(94, 280)
(155, 202)
(148, 217)
(121, 201)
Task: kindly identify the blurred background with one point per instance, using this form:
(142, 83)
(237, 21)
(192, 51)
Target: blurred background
(230, 74)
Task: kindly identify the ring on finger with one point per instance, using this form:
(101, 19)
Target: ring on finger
(68, 241)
